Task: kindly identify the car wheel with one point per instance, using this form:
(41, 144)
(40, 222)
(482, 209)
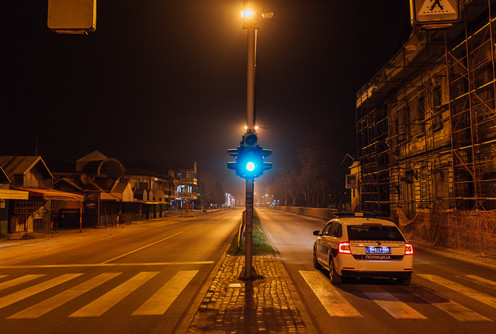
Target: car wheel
(316, 263)
(333, 275)
(405, 280)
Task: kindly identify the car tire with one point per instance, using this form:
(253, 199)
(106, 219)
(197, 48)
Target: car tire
(316, 263)
(405, 280)
(333, 275)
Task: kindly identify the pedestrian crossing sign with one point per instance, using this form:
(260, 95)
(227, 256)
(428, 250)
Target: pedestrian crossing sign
(428, 12)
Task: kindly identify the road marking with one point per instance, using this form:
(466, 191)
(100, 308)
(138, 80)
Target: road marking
(391, 304)
(79, 265)
(165, 296)
(334, 303)
(28, 292)
(483, 281)
(111, 298)
(457, 311)
(2, 276)
(52, 303)
(469, 292)
(141, 248)
(17, 281)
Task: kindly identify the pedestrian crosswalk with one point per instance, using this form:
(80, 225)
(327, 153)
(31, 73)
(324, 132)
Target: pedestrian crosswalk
(14, 291)
(34, 295)
(337, 304)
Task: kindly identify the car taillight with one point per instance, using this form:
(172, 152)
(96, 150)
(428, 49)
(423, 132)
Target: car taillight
(344, 248)
(408, 249)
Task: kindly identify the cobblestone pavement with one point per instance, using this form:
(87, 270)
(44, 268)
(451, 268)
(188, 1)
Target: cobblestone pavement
(264, 305)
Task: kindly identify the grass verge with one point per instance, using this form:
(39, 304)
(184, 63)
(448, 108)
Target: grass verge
(261, 244)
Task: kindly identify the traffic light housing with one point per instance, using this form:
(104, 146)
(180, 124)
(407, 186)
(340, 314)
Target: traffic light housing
(249, 162)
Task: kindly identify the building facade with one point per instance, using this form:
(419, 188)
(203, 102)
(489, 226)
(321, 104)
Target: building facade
(426, 133)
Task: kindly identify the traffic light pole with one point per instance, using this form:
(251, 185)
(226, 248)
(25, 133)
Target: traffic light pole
(249, 272)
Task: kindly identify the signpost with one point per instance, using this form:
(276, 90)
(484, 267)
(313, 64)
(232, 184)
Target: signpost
(434, 14)
(72, 16)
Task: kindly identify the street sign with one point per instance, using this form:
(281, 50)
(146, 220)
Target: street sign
(434, 12)
(72, 16)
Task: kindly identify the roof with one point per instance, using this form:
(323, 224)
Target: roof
(120, 187)
(3, 177)
(52, 194)
(13, 194)
(363, 220)
(93, 156)
(13, 165)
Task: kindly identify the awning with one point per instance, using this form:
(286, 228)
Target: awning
(13, 194)
(52, 194)
(109, 197)
(150, 202)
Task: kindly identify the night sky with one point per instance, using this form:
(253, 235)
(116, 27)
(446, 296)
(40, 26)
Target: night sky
(165, 80)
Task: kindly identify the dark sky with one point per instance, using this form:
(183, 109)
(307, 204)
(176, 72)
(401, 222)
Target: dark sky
(166, 80)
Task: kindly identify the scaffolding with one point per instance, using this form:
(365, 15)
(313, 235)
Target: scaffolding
(426, 130)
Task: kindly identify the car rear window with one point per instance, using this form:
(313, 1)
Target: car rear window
(374, 232)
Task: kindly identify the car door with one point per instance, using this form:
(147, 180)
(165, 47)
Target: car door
(334, 238)
(322, 247)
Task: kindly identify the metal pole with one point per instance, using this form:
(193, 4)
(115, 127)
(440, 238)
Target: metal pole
(250, 82)
(249, 272)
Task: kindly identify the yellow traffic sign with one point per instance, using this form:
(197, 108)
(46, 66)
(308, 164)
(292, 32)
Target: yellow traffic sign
(72, 16)
(426, 12)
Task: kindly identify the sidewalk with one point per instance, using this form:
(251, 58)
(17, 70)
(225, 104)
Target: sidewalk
(267, 305)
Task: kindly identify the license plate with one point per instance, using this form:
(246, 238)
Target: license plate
(378, 250)
(377, 257)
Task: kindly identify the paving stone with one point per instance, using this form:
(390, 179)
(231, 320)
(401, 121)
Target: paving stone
(264, 305)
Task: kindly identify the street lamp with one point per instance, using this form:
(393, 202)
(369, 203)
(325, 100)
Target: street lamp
(251, 20)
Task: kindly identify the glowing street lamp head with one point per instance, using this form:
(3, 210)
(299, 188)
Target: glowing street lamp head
(247, 13)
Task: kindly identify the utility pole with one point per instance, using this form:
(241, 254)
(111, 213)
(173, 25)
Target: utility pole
(250, 156)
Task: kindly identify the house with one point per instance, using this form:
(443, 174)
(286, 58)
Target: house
(6, 196)
(185, 179)
(36, 214)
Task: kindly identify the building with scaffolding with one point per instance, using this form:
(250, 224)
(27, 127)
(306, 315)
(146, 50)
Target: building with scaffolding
(426, 134)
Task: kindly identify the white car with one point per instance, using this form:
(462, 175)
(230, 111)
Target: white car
(363, 247)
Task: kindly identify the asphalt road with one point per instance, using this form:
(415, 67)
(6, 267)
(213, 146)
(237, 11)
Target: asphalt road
(447, 293)
(143, 279)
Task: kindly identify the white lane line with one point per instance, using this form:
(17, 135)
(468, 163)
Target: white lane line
(28, 292)
(395, 307)
(469, 292)
(457, 311)
(483, 281)
(52, 303)
(141, 248)
(79, 265)
(334, 303)
(114, 296)
(165, 296)
(18, 280)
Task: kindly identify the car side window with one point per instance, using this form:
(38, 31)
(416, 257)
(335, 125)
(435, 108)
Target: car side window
(335, 230)
(326, 229)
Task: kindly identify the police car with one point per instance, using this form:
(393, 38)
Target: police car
(363, 246)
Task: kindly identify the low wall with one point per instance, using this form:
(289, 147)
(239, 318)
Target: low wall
(314, 212)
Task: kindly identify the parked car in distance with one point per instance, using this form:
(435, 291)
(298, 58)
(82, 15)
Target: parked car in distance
(361, 246)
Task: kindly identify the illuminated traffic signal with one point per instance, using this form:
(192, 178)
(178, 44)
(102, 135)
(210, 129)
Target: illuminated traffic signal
(249, 157)
(249, 162)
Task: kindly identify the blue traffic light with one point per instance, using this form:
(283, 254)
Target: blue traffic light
(249, 161)
(250, 166)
